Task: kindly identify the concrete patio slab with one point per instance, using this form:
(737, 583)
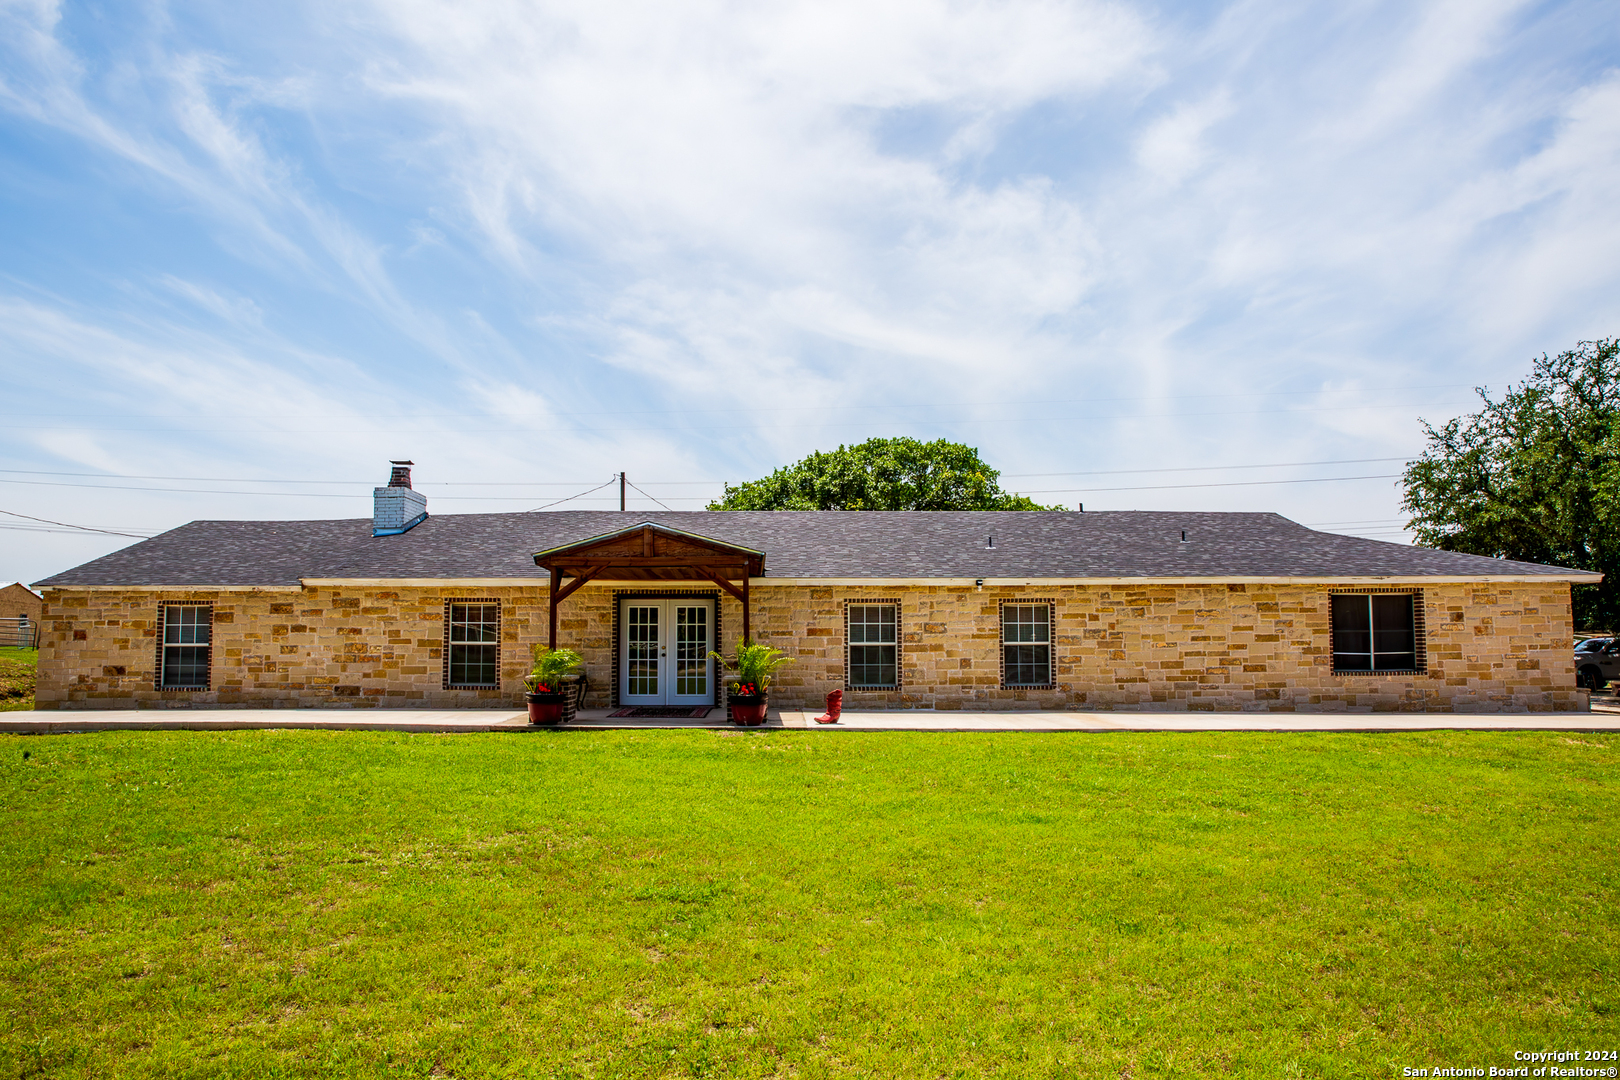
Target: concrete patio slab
(426, 721)
(1203, 721)
(56, 722)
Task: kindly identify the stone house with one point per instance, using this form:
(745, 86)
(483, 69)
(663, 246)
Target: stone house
(1014, 610)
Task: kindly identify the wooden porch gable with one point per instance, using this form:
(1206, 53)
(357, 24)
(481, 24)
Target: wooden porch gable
(650, 552)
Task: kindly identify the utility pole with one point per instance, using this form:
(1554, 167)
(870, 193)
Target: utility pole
(621, 493)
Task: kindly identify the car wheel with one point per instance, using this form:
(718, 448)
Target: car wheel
(1591, 678)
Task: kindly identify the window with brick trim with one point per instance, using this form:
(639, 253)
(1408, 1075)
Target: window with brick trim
(472, 654)
(873, 645)
(1026, 644)
(185, 647)
(1375, 632)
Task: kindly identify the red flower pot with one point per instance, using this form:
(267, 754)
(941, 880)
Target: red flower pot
(749, 711)
(545, 708)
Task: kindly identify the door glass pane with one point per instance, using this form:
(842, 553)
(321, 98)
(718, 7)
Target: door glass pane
(641, 651)
(691, 651)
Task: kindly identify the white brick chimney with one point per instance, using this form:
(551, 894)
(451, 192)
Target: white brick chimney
(396, 508)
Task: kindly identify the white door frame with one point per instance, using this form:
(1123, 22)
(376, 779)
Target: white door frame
(655, 630)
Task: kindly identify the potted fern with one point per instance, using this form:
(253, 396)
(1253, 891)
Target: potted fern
(755, 665)
(547, 692)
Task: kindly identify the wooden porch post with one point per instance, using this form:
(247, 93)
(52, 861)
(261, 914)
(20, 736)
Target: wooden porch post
(746, 635)
(551, 600)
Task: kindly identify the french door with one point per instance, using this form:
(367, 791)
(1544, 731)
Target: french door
(664, 652)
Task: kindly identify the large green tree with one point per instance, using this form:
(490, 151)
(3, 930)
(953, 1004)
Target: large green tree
(1534, 476)
(881, 474)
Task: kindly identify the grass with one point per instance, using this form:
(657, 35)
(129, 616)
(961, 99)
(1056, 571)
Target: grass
(17, 678)
(684, 904)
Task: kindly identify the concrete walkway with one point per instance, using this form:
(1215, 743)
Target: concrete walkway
(1604, 717)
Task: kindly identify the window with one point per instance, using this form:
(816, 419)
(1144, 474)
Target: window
(1377, 632)
(874, 646)
(472, 644)
(186, 648)
(1026, 644)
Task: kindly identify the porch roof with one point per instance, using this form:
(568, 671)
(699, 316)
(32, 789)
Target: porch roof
(649, 551)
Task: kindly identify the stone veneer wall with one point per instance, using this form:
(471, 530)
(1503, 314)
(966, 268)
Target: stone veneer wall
(1170, 646)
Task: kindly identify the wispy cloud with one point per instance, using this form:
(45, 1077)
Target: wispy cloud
(551, 240)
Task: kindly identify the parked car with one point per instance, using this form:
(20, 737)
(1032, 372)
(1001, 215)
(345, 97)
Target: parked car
(1597, 660)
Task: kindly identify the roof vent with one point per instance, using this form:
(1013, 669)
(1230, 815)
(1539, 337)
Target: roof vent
(396, 508)
(989, 542)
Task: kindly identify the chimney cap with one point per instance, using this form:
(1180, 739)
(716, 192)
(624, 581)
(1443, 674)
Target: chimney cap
(391, 461)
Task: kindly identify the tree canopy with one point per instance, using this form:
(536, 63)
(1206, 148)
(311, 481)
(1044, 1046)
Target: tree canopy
(1533, 476)
(880, 474)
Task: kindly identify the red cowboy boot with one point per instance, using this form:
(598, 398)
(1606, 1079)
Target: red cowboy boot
(835, 708)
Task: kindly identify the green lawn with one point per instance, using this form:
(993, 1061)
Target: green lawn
(17, 678)
(807, 904)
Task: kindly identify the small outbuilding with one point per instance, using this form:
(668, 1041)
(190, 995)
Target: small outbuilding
(20, 611)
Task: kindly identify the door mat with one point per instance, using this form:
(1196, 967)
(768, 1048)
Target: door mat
(648, 712)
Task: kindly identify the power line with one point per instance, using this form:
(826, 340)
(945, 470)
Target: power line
(345, 483)
(65, 525)
(655, 500)
(1210, 468)
(1363, 521)
(298, 494)
(563, 484)
(571, 498)
(49, 529)
(1235, 483)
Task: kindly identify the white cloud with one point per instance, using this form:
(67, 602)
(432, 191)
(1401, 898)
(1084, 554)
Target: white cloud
(588, 223)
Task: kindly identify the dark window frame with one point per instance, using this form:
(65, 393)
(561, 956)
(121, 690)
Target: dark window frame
(163, 646)
(898, 644)
(449, 608)
(1419, 653)
(1050, 643)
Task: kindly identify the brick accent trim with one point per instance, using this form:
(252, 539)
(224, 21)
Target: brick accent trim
(664, 594)
(162, 632)
(500, 616)
(1051, 639)
(899, 643)
(1420, 634)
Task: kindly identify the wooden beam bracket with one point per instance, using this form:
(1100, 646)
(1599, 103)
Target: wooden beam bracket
(581, 578)
(720, 580)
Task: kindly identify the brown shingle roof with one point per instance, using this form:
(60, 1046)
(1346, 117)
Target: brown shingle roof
(797, 544)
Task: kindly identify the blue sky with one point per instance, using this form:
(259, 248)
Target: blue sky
(1144, 256)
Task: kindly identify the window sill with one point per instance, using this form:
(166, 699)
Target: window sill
(1384, 671)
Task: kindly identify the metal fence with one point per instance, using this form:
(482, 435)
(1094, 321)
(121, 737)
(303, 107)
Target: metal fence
(19, 634)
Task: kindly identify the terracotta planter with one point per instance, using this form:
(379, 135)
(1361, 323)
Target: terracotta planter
(546, 708)
(748, 711)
